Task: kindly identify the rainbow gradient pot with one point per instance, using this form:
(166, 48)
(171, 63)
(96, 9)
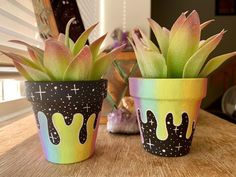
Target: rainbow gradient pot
(167, 111)
(67, 115)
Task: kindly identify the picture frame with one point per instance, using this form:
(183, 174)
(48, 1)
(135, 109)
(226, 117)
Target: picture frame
(225, 7)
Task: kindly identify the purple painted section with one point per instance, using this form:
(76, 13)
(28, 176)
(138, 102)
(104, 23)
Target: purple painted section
(134, 87)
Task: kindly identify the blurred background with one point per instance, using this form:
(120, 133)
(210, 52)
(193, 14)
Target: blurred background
(36, 20)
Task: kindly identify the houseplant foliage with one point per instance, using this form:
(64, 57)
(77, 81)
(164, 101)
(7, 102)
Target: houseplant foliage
(181, 52)
(64, 60)
(66, 91)
(168, 97)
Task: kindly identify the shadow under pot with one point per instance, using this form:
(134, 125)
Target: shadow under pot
(67, 116)
(167, 111)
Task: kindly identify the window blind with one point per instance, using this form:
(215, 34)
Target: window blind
(17, 21)
(112, 14)
(89, 11)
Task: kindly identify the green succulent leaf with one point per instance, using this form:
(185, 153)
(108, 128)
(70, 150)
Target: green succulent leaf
(151, 63)
(204, 42)
(196, 62)
(22, 71)
(68, 42)
(36, 75)
(23, 60)
(154, 66)
(80, 42)
(81, 66)
(56, 58)
(177, 24)
(35, 53)
(61, 38)
(167, 32)
(205, 24)
(161, 36)
(104, 62)
(148, 43)
(31, 73)
(183, 44)
(180, 54)
(214, 63)
(201, 43)
(63, 59)
(95, 46)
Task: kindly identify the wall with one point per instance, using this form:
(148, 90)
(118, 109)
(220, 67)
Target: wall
(165, 12)
(112, 14)
(126, 14)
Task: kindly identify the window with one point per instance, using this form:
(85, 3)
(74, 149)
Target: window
(18, 22)
(11, 89)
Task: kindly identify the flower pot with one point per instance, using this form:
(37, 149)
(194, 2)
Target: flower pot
(67, 115)
(167, 111)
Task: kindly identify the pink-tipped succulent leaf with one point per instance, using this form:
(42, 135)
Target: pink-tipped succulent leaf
(205, 24)
(182, 53)
(178, 23)
(56, 58)
(80, 42)
(199, 57)
(96, 45)
(35, 53)
(103, 62)
(161, 35)
(81, 66)
(64, 60)
(183, 45)
(151, 61)
(214, 63)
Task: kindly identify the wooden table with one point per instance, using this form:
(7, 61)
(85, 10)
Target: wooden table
(213, 153)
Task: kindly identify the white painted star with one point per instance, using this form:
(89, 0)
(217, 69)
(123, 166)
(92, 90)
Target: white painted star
(40, 92)
(176, 129)
(32, 96)
(75, 89)
(87, 107)
(68, 96)
(151, 122)
(178, 147)
(150, 143)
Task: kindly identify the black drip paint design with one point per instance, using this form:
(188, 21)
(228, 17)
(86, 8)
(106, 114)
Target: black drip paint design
(175, 145)
(86, 101)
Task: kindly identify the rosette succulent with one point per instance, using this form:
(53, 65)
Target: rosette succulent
(181, 52)
(64, 60)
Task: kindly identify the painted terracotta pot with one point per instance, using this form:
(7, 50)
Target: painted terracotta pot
(67, 115)
(167, 111)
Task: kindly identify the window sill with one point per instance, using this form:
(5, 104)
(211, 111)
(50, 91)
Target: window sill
(14, 108)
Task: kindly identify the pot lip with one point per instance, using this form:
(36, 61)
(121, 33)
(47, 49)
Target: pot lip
(61, 82)
(168, 88)
(167, 79)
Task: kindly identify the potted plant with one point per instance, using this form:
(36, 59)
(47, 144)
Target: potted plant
(168, 97)
(65, 88)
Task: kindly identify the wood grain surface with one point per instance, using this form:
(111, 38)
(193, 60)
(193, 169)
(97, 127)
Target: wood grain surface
(213, 153)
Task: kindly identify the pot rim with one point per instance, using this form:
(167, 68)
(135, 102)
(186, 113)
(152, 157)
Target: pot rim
(168, 89)
(60, 82)
(168, 79)
(58, 91)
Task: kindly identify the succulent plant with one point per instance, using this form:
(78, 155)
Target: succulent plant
(181, 53)
(64, 60)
